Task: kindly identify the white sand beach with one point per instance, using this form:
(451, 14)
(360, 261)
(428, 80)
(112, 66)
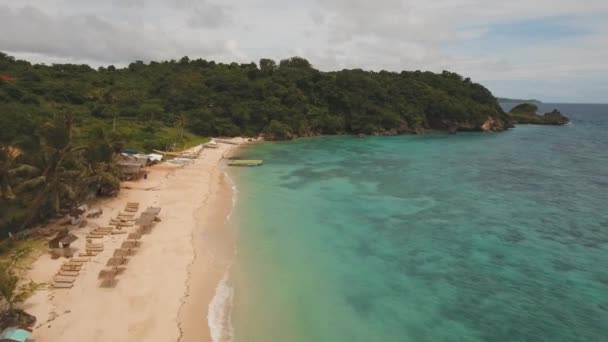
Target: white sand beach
(153, 299)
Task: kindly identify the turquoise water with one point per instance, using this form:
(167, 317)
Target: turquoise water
(467, 237)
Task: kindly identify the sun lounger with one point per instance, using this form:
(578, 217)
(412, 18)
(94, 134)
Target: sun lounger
(95, 250)
(123, 252)
(76, 259)
(68, 273)
(88, 253)
(117, 261)
(134, 236)
(131, 244)
(107, 273)
(94, 236)
(73, 263)
(63, 285)
(126, 215)
(62, 279)
(118, 232)
(119, 222)
(70, 268)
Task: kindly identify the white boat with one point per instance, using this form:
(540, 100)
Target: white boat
(211, 144)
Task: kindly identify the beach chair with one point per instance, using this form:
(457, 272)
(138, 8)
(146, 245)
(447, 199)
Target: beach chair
(70, 268)
(123, 216)
(64, 279)
(107, 273)
(63, 285)
(134, 236)
(131, 244)
(123, 252)
(76, 259)
(117, 261)
(108, 278)
(74, 263)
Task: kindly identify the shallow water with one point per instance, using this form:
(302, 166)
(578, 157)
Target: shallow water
(467, 237)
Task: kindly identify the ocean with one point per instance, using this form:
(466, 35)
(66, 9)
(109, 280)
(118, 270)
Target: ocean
(466, 237)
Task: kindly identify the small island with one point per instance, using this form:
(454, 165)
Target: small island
(509, 100)
(527, 113)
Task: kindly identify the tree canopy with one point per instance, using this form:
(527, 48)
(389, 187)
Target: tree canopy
(219, 99)
(63, 124)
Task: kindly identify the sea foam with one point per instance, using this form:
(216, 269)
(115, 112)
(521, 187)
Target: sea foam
(220, 309)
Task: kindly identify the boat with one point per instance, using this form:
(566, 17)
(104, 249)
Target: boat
(211, 144)
(245, 162)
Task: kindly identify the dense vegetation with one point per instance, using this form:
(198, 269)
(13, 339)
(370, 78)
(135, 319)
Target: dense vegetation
(526, 113)
(63, 124)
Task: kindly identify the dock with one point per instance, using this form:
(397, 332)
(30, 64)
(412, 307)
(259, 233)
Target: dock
(245, 162)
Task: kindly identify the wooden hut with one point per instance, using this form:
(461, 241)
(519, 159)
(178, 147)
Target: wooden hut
(62, 241)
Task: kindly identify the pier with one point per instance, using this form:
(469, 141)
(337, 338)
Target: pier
(245, 162)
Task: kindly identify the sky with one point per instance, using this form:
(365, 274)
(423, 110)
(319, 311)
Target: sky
(552, 50)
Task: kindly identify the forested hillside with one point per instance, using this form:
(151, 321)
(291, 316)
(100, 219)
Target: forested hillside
(63, 124)
(231, 99)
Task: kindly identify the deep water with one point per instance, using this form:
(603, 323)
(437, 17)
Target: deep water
(466, 237)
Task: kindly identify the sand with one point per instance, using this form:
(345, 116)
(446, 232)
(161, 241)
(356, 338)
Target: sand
(165, 291)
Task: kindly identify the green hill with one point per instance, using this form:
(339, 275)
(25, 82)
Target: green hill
(64, 124)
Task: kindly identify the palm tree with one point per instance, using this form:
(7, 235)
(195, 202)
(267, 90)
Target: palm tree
(9, 282)
(60, 171)
(7, 163)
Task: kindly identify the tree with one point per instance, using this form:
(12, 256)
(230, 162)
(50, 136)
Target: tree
(58, 179)
(278, 131)
(267, 66)
(9, 282)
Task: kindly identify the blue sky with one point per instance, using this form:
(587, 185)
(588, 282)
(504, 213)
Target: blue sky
(553, 50)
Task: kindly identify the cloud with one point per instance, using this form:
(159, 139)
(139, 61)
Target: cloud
(204, 14)
(515, 41)
(94, 38)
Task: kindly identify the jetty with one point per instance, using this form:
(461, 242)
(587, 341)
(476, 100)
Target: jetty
(245, 162)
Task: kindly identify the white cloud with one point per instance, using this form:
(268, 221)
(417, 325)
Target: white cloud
(333, 34)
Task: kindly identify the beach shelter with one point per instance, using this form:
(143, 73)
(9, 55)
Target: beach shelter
(14, 334)
(62, 241)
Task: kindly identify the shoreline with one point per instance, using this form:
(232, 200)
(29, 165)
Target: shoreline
(212, 302)
(153, 299)
(214, 248)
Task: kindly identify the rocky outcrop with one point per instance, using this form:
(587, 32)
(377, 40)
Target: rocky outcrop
(526, 113)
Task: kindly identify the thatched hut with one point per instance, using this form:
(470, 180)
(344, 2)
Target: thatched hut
(62, 241)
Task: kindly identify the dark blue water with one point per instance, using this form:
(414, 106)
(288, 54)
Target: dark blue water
(467, 237)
